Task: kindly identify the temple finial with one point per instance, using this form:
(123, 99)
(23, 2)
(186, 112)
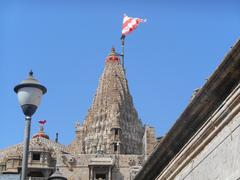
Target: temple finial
(41, 132)
(113, 56)
(112, 51)
(31, 73)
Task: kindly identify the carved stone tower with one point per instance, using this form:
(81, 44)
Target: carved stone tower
(112, 124)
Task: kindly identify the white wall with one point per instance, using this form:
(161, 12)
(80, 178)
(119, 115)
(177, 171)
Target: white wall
(220, 159)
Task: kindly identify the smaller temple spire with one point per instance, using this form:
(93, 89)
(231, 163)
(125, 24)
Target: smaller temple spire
(41, 132)
(56, 139)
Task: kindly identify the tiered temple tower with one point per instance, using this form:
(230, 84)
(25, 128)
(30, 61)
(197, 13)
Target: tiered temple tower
(112, 124)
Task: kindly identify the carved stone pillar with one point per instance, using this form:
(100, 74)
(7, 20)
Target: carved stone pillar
(90, 173)
(110, 173)
(42, 157)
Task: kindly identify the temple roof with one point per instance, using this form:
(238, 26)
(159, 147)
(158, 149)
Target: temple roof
(35, 143)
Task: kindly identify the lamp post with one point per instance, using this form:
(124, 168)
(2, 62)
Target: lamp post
(29, 93)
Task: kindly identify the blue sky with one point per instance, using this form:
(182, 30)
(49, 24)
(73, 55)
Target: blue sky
(66, 42)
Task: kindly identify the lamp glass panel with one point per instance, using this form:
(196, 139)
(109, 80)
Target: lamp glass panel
(29, 95)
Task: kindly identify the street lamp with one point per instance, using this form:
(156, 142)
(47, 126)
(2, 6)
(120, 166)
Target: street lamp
(57, 176)
(29, 93)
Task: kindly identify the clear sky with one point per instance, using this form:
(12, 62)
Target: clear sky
(65, 43)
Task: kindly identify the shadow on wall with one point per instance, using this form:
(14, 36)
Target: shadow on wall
(117, 175)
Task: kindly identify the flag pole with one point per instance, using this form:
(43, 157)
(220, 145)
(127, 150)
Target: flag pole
(123, 44)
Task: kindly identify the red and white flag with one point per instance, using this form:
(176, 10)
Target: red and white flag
(130, 24)
(42, 122)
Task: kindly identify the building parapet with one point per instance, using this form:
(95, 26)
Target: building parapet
(206, 101)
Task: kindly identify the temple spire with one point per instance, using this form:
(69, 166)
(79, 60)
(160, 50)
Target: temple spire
(112, 113)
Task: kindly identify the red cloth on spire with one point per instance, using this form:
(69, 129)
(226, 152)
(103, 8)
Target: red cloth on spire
(42, 122)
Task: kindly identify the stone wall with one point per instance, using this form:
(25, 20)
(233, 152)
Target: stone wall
(220, 159)
(150, 139)
(213, 152)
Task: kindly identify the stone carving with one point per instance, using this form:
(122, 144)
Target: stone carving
(68, 160)
(133, 171)
(140, 160)
(131, 162)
